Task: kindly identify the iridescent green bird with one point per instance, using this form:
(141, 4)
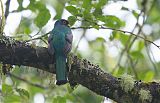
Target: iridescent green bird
(60, 44)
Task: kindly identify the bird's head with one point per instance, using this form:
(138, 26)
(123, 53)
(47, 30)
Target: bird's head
(62, 22)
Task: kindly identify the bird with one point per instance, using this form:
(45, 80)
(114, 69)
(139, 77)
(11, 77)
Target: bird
(59, 45)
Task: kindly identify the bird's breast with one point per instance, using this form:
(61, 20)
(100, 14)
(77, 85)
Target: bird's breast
(59, 42)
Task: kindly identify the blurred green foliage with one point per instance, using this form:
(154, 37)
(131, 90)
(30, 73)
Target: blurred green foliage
(90, 14)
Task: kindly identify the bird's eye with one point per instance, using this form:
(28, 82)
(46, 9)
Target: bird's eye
(64, 22)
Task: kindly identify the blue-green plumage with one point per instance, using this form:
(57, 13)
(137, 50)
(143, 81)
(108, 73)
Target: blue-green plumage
(60, 43)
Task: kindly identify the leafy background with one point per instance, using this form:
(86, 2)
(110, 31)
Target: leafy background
(104, 33)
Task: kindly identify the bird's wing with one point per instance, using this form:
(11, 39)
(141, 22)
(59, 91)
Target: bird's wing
(50, 44)
(50, 38)
(68, 45)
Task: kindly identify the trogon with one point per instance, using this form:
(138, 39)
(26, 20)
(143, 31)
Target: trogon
(59, 45)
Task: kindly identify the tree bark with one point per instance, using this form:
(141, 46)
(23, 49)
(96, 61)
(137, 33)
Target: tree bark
(81, 72)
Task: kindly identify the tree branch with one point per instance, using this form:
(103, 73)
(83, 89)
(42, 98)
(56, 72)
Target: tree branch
(102, 27)
(82, 72)
(20, 53)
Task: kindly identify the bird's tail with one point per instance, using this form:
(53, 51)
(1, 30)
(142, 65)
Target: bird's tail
(61, 74)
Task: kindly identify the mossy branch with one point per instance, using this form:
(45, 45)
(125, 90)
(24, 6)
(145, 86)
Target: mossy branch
(82, 72)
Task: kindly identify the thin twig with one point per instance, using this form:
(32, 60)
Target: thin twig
(36, 33)
(2, 19)
(79, 41)
(152, 61)
(126, 45)
(102, 27)
(26, 81)
(7, 8)
(44, 41)
(147, 48)
(133, 66)
(129, 44)
(40, 37)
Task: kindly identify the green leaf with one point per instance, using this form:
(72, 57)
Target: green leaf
(123, 38)
(24, 27)
(42, 18)
(149, 76)
(135, 13)
(96, 27)
(119, 71)
(59, 99)
(98, 44)
(154, 14)
(97, 12)
(32, 1)
(136, 54)
(9, 96)
(101, 3)
(73, 10)
(32, 5)
(87, 15)
(12, 99)
(43, 13)
(120, 36)
(86, 23)
(27, 30)
(70, 90)
(71, 98)
(7, 88)
(114, 35)
(100, 39)
(140, 45)
(112, 21)
(72, 20)
(87, 4)
(73, 2)
(59, 9)
(124, 8)
(20, 7)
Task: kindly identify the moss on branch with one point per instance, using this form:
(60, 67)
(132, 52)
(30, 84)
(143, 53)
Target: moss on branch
(82, 72)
